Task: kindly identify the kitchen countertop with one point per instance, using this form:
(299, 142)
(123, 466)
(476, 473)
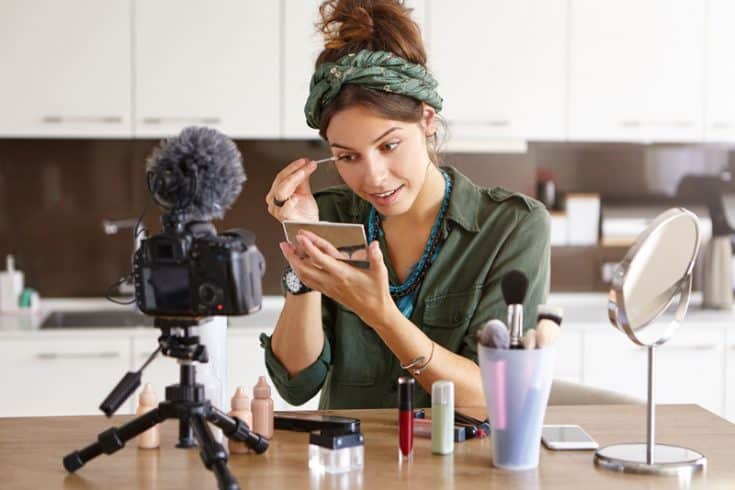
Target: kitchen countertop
(581, 310)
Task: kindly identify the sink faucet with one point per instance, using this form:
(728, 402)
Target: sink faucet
(112, 227)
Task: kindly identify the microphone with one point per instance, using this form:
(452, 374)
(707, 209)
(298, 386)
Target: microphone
(514, 286)
(197, 174)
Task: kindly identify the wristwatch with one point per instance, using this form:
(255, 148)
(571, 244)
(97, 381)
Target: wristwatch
(290, 283)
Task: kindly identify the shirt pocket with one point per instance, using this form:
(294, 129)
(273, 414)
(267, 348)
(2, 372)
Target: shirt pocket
(358, 351)
(447, 316)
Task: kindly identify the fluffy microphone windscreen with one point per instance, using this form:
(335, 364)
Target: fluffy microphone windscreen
(514, 286)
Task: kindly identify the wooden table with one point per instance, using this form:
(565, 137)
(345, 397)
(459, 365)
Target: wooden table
(31, 450)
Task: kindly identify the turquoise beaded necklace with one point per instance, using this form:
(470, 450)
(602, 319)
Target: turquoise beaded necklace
(431, 251)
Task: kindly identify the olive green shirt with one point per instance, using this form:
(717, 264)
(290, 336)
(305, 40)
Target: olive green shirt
(489, 232)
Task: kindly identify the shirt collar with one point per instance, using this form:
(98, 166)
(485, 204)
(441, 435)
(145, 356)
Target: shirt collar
(464, 202)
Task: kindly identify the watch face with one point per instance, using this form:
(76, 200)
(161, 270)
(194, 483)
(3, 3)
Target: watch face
(293, 284)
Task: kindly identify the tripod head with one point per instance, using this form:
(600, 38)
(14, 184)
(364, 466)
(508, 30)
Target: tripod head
(177, 340)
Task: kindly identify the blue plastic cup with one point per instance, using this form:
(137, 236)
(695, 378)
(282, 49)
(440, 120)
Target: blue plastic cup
(516, 385)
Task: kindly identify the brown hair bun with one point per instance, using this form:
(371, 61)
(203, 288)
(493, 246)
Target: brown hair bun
(378, 25)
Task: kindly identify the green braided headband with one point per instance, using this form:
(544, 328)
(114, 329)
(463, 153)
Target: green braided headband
(378, 70)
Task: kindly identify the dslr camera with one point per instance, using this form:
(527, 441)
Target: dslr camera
(189, 270)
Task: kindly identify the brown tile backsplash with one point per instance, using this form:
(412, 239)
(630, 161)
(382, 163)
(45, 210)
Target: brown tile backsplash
(54, 195)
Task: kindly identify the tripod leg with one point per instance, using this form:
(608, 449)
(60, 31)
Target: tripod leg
(237, 429)
(186, 438)
(213, 454)
(113, 439)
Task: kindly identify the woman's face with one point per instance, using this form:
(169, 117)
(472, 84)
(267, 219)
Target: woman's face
(383, 161)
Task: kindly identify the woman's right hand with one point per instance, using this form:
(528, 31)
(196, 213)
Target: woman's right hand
(291, 186)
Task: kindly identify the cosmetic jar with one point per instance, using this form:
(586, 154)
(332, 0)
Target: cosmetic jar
(336, 453)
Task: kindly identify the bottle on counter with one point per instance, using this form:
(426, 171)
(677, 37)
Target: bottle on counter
(240, 409)
(262, 408)
(147, 401)
(442, 417)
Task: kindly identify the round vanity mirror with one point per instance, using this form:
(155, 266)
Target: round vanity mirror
(656, 270)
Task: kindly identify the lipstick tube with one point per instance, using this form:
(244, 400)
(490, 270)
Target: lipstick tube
(405, 418)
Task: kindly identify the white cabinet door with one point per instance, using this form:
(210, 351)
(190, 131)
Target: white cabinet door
(688, 369)
(568, 360)
(720, 109)
(636, 70)
(730, 377)
(207, 63)
(302, 44)
(60, 375)
(65, 68)
(246, 362)
(501, 67)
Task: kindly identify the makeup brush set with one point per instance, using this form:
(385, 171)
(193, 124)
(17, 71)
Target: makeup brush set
(495, 334)
(516, 371)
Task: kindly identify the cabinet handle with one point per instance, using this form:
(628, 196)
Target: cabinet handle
(186, 120)
(495, 123)
(720, 125)
(51, 356)
(82, 119)
(632, 123)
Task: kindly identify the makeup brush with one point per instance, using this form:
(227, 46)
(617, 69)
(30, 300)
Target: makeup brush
(514, 286)
(549, 325)
(494, 334)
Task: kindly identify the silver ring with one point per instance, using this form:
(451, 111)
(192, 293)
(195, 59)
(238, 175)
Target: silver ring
(278, 202)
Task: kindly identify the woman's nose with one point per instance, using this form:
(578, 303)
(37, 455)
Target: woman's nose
(376, 170)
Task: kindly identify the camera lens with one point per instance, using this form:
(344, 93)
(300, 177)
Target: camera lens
(209, 294)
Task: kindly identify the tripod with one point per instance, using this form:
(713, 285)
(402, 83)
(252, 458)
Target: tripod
(185, 401)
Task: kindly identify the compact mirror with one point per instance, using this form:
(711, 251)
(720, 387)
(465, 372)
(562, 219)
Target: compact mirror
(653, 274)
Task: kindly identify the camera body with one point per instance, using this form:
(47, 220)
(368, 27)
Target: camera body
(191, 271)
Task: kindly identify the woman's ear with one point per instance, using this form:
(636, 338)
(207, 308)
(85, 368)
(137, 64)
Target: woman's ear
(428, 119)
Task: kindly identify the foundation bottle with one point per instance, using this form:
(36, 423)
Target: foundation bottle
(262, 408)
(147, 401)
(240, 409)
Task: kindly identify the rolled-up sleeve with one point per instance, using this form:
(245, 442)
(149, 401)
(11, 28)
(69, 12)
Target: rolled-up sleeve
(302, 387)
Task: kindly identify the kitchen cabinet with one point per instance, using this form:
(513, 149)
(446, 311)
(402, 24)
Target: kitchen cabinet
(730, 377)
(501, 67)
(207, 63)
(720, 71)
(302, 44)
(689, 368)
(60, 375)
(66, 68)
(636, 70)
(569, 356)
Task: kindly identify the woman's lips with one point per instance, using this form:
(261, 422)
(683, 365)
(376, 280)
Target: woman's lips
(383, 199)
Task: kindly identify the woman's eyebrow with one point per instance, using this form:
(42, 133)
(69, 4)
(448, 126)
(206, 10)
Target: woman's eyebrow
(337, 145)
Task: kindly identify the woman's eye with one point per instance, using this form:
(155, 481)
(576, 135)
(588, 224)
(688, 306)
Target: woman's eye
(391, 145)
(346, 157)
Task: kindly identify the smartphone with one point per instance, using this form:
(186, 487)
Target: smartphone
(347, 240)
(567, 437)
(307, 422)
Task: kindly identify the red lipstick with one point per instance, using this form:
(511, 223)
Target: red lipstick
(405, 417)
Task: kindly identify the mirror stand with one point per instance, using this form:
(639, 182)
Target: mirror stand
(649, 457)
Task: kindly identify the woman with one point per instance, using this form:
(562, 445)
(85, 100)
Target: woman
(439, 245)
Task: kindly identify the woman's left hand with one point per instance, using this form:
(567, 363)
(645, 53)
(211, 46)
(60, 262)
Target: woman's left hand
(364, 291)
